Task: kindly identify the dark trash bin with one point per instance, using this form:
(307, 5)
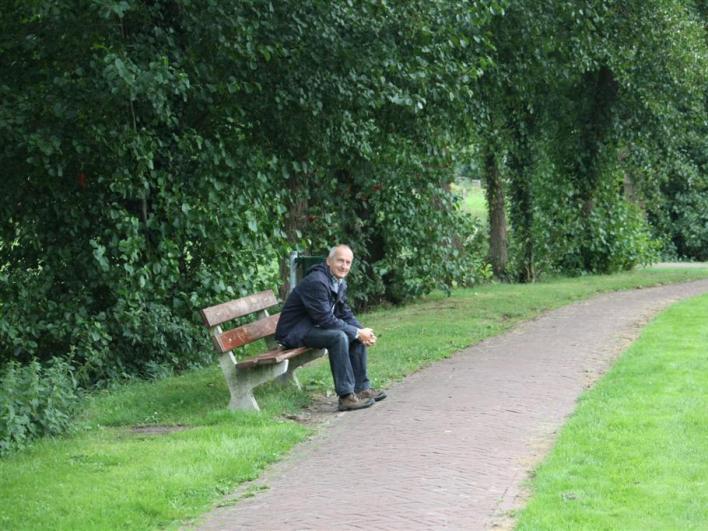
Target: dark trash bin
(299, 264)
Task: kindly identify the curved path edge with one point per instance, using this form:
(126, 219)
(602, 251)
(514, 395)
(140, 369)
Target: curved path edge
(453, 444)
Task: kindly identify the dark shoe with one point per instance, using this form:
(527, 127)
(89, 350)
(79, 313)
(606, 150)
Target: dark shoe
(376, 394)
(350, 402)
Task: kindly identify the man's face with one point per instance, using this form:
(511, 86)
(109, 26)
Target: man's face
(340, 263)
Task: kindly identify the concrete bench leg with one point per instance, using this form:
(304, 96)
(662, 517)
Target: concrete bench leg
(242, 383)
(290, 378)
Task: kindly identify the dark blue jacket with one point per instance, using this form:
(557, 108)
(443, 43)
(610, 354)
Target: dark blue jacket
(314, 302)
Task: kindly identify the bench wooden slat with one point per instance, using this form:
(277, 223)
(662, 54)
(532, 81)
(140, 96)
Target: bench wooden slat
(247, 333)
(274, 356)
(244, 376)
(216, 315)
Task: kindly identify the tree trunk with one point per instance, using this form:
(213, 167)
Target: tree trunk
(521, 210)
(498, 252)
(600, 91)
(295, 221)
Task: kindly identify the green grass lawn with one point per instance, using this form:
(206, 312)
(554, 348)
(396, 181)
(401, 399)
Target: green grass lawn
(473, 200)
(634, 456)
(109, 474)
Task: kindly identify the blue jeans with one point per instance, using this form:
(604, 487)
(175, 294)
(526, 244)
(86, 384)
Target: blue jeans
(347, 360)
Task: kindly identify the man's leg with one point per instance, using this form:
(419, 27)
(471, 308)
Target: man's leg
(362, 386)
(358, 359)
(337, 344)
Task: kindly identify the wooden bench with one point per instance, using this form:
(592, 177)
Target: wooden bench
(245, 375)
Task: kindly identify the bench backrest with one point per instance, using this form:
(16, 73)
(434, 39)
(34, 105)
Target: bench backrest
(215, 316)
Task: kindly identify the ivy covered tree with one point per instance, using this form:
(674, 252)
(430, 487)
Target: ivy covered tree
(582, 99)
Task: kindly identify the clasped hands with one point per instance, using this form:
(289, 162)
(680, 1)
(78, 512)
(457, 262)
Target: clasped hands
(367, 336)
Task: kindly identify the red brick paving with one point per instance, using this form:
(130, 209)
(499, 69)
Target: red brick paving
(452, 444)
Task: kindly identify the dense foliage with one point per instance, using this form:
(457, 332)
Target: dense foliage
(35, 400)
(591, 131)
(159, 157)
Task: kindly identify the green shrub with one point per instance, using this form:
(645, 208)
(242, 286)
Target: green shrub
(35, 401)
(613, 236)
(170, 158)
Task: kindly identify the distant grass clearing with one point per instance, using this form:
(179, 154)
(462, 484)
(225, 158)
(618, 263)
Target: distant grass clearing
(473, 200)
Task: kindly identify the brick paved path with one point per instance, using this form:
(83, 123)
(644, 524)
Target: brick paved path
(451, 445)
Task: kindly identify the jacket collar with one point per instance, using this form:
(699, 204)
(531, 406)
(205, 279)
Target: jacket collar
(336, 285)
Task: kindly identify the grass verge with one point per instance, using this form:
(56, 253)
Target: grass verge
(633, 455)
(151, 455)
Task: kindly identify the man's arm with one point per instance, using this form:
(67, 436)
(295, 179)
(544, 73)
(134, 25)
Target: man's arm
(315, 298)
(365, 335)
(347, 314)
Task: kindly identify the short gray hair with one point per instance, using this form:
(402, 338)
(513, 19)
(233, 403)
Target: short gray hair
(333, 250)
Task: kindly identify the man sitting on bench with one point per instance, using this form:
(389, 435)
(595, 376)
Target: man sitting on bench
(316, 314)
